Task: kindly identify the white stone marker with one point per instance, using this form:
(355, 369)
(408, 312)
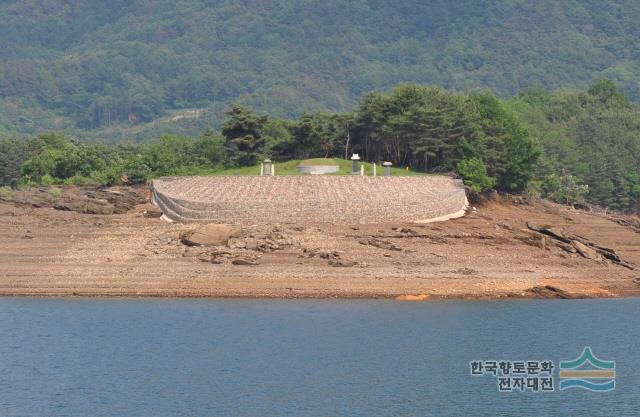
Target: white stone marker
(387, 168)
(266, 168)
(356, 163)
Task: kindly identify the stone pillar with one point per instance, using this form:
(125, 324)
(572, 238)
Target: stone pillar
(375, 170)
(387, 168)
(266, 168)
(355, 159)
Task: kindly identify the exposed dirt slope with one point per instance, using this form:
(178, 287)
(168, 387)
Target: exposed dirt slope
(490, 253)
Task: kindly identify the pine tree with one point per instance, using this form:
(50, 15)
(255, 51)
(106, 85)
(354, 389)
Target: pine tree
(243, 136)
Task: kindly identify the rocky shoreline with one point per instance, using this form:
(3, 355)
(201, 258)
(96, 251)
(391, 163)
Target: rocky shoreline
(83, 241)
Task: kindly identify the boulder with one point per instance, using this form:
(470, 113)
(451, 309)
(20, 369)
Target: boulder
(194, 252)
(152, 213)
(122, 199)
(574, 243)
(379, 243)
(342, 263)
(84, 205)
(214, 256)
(62, 207)
(329, 254)
(586, 251)
(549, 291)
(98, 206)
(550, 231)
(252, 243)
(565, 247)
(210, 235)
(271, 241)
(242, 260)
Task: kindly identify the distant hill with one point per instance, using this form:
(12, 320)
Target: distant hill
(122, 68)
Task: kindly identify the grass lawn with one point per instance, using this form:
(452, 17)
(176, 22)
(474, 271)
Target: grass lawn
(290, 168)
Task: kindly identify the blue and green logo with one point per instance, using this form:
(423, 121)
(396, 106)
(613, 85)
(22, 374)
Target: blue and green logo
(588, 372)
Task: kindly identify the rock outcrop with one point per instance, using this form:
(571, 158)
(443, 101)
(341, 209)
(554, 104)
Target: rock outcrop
(86, 199)
(578, 244)
(210, 235)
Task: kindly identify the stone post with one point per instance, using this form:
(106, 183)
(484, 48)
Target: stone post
(375, 173)
(387, 168)
(355, 159)
(266, 168)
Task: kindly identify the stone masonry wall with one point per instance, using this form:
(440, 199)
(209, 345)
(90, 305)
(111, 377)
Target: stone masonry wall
(308, 199)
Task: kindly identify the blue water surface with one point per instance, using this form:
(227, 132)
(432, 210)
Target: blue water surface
(186, 357)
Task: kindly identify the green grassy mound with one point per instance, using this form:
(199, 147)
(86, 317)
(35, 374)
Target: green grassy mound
(291, 168)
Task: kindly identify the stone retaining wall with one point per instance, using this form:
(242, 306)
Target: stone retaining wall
(308, 199)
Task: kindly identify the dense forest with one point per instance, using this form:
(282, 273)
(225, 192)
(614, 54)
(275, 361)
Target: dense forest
(135, 69)
(569, 146)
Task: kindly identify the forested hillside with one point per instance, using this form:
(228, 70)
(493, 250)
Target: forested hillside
(127, 69)
(568, 146)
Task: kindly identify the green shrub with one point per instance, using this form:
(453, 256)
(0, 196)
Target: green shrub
(474, 173)
(6, 193)
(80, 180)
(134, 171)
(564, 188)
(48, 180)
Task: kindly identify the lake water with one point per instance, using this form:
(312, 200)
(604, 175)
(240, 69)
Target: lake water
(150, 357)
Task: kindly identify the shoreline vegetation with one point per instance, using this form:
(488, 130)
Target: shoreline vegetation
(571, 147)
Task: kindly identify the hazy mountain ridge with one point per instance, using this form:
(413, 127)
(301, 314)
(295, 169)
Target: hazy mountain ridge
(92, 65)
